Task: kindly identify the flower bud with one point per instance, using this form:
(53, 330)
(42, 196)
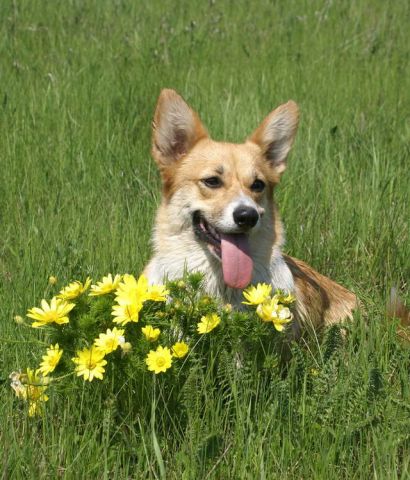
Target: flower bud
(19, 319)
(52, 280)
(126, 347)
(228, 308)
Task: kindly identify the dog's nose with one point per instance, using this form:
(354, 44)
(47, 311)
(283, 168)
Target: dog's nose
(245, 216)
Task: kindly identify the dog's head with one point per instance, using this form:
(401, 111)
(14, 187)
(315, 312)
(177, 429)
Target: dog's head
(224, 189)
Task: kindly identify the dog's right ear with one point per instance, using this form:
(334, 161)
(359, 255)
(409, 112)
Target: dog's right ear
(176, 129)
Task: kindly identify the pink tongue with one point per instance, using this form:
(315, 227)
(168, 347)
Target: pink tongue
(237, 264)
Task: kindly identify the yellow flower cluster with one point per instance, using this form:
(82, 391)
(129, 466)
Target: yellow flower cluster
(270, 308)
(91, 361)
(160, 360)
(131, 295)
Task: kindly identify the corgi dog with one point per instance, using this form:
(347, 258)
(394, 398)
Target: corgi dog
(218, 215)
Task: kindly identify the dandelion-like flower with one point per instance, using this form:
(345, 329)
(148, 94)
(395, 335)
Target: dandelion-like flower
(110, 340)
(131, 290)
(159, 360)
(74, 289)
(90, 363)
(257, 295)
(107, 285)
(151, 333)
(272, 311)
(55, 312)
(128, 312)
(179, 349)
(51, 359)
(208, 323)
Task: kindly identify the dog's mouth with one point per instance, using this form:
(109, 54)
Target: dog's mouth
(205, 232)
(232, 249)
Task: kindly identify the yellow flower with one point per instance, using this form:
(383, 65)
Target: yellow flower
(107, 285)
(109, 341)
(74, 289)
(179, 349)
(286, 299)
(52, 280)
(157, 293)
(131, 290)
(208, 323)
(55, 312)
(159, 360)
(126, 313)
(90, 363)
(51, 359)
(271, 311)
(257, 295)
(151, 333)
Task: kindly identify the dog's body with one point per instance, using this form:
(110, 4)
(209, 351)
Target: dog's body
(218, 215)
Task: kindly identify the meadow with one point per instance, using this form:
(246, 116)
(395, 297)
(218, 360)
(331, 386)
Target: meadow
(78, 194)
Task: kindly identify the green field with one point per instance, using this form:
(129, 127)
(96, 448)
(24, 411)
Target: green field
(78, 193)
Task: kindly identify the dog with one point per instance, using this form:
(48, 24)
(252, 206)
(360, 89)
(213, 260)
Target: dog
(218, 215)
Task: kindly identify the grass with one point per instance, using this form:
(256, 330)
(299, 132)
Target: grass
(78, 192)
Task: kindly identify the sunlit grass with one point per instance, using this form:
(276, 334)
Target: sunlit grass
(78, 192)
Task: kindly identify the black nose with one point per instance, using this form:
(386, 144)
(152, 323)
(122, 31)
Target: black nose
(245, 216)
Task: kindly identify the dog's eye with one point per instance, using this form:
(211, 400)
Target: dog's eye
(212, 182)
(257, 185)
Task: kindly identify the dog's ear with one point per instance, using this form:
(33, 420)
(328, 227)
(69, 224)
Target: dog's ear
(176, 128)
(276, 133)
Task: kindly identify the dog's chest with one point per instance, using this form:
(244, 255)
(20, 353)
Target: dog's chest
(171, 264)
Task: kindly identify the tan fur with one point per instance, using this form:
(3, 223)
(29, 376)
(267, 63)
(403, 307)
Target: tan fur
(186, 156)
(319, 299)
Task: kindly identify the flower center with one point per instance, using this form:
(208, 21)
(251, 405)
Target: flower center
(160, 361)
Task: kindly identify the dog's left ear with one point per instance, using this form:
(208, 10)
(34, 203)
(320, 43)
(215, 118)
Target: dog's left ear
(176, 129)
(276, 133)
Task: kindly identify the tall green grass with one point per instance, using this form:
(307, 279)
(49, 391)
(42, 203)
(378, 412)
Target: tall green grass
(78, 191)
